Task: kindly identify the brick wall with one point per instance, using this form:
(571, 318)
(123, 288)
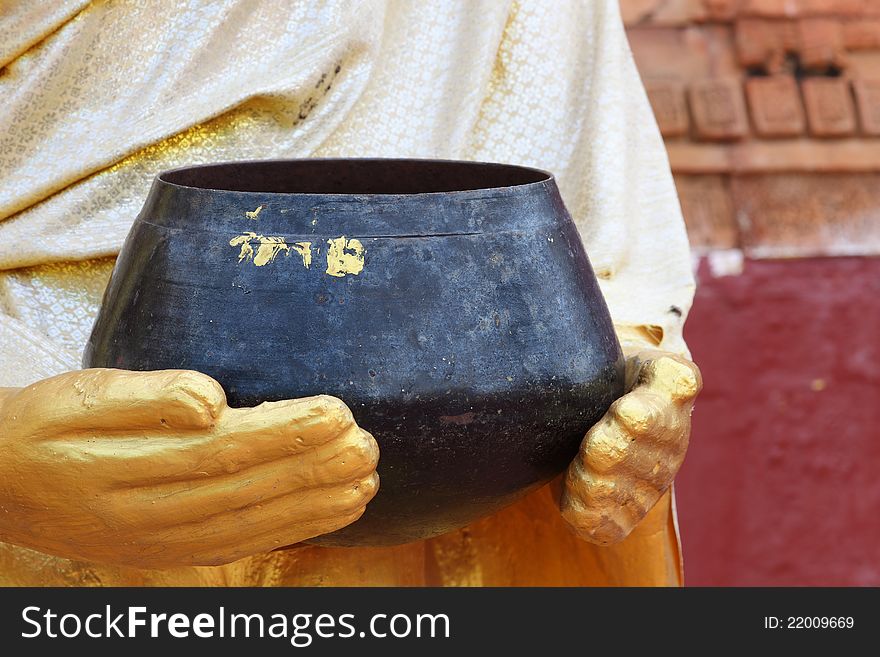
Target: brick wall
(759, 101)
(771, 114)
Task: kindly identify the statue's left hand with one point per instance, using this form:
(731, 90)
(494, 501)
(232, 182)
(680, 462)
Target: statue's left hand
(630, 457)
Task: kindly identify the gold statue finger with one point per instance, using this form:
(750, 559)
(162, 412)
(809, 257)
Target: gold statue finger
(107, 400)
(241, 439)
(672, 375)
(293, 516)
(171, 503)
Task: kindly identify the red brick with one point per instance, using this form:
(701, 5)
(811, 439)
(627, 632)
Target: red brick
(689, 54)
(721, 10)
(834, 7)
(770, 8)
(808, 214)
(718, 109)
(863, 64)
(708, 211)
(830, 111)
(764, 156)
(666, 13)
(820, 43)
(754, 42)
(805, 8)
(634, 12)
(868, 101)
(763, 44)
(775, 104)
(670, 108)
(861, 34)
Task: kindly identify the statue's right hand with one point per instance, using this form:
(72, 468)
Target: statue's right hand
(154, 470)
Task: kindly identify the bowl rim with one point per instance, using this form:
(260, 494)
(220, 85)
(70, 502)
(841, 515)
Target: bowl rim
(543, 177)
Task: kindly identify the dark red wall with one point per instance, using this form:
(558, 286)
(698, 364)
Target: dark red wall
(782, 481)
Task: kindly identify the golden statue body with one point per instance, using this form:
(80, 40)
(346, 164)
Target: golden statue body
(113, 477)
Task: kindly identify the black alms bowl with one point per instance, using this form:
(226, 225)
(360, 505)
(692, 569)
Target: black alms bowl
(449, 304)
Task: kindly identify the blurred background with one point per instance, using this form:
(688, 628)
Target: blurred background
(770, 110)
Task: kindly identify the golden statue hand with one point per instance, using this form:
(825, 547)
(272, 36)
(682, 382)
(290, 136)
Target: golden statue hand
(153, 469)
(630, 457)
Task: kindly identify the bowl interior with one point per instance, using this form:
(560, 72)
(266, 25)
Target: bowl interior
(352, 176)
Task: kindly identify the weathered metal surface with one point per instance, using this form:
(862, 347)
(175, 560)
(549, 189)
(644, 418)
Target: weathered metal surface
(450, 305)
